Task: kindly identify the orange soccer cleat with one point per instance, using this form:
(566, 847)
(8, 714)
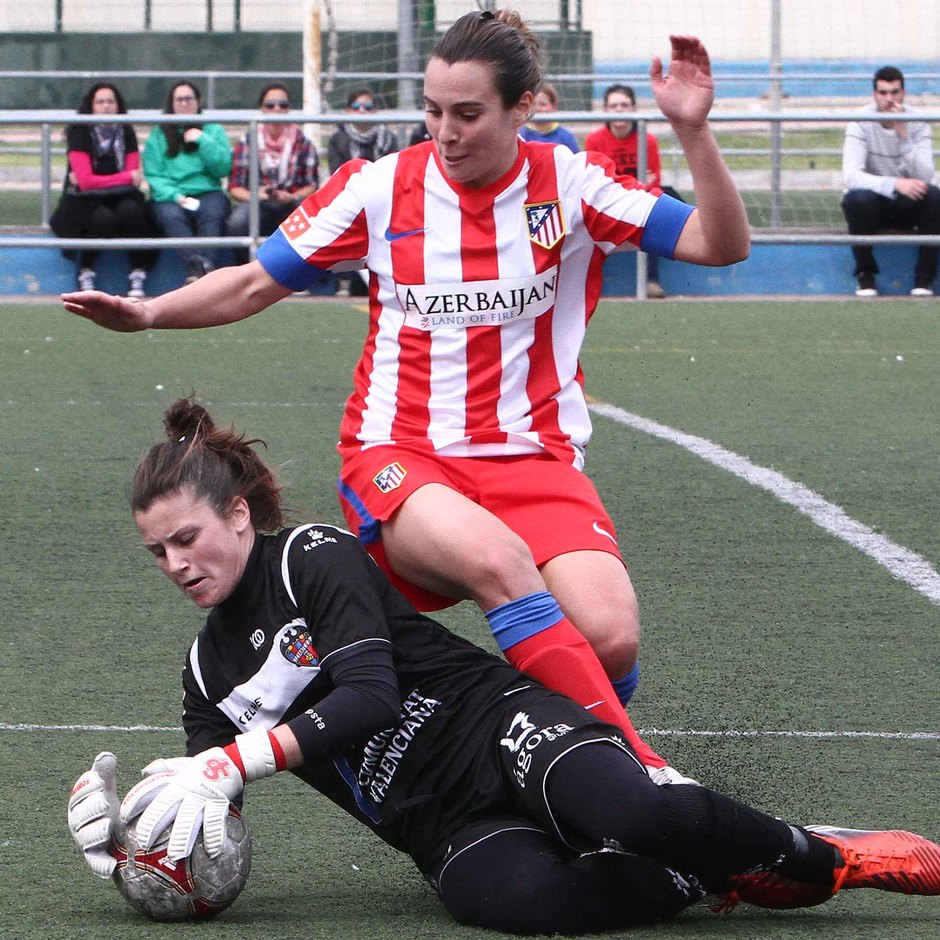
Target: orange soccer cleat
(893, 860)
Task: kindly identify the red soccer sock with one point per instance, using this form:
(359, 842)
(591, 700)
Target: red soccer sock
(562, 659)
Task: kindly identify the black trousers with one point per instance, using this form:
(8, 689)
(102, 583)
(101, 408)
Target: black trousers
(583, 841)
(123, 215)
(868, 213)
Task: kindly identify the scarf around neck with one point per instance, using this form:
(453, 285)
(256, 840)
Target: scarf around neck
(274, 152)
(109, 139)
(370, 144)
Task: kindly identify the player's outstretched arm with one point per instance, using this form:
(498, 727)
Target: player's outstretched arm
(93, 813)
(222, 296)
(717, 233)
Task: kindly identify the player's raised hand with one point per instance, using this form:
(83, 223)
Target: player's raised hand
(685, 94)
(93, 813)
(121, 314)
(194, 796)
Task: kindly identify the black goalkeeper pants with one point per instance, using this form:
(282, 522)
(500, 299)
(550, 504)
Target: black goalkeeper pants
(588, 842)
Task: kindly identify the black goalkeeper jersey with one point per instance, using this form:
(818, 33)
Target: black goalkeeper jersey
(311, 610)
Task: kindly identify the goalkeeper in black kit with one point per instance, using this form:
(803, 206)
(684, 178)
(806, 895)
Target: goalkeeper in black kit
(524, 812)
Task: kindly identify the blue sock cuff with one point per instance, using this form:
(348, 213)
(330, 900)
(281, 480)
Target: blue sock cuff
(626, 686)
(517, 620)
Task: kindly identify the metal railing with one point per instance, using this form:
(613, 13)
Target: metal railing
(47, 119)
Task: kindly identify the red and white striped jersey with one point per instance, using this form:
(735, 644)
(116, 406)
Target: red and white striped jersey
(479, 298)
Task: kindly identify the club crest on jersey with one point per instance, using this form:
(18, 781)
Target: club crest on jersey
(390, 478)
(297, 647)
(545, 223)
(296, 224)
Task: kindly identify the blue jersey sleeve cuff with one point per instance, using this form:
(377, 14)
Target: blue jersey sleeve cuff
(664, 225)
(286, 266)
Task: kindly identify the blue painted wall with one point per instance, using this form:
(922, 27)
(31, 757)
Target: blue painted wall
(771, 269)
(831, 77)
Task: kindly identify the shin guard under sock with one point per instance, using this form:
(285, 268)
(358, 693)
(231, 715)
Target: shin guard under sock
(540, 641)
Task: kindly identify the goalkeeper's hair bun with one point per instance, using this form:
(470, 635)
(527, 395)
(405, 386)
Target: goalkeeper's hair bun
(219, 464)
(187, 419)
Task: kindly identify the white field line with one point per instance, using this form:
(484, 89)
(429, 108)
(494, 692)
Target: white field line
(903, 564)
(900, 562)
(645, 732)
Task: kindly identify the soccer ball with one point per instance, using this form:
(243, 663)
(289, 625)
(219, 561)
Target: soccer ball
(194, 887)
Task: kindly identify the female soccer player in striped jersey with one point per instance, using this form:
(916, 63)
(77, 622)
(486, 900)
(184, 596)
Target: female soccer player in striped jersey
(464, 438)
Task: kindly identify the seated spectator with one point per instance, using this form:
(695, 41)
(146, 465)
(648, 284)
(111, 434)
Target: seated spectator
(548, 132)
(887, 167)
(185, 165)
(287, 170)
(102, 197)
(353, 141)
(419, 134)
(618, 140)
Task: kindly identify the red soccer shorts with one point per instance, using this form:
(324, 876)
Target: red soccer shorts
(554, 508)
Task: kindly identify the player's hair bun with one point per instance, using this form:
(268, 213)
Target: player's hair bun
(185, 419)
(512, 19)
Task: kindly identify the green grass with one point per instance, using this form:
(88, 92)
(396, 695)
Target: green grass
(755, 619)
(822, 138)
(798, 209)
(804, 209)
(22, 206)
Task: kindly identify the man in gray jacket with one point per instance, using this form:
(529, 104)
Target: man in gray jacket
(887, 168)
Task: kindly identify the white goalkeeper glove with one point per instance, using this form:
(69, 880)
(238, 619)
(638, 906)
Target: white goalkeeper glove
(93, 813)
(193, 793)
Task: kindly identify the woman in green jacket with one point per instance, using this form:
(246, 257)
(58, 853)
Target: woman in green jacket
(185, 165)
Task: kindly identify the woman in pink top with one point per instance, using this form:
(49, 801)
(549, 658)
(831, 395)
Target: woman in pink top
(102, 198)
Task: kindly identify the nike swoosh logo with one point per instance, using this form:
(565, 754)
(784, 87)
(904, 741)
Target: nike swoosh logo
(391, 236)
(601, 531)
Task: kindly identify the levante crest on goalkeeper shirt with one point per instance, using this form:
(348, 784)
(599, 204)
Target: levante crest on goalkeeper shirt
(297, 647)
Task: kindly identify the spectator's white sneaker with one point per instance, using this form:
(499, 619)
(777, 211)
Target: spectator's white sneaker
(922, 289)
(86, 279)
(137, 279)
(866, 286)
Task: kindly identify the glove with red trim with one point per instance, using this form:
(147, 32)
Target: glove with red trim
(192, 794)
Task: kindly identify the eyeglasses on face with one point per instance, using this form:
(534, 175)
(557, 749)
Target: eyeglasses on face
(362, 106)
(184, 99)
(282, 103)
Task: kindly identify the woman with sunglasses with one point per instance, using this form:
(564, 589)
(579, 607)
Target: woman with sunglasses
(357, 140)
(288, 169)
(464, 439)
(185, 164)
